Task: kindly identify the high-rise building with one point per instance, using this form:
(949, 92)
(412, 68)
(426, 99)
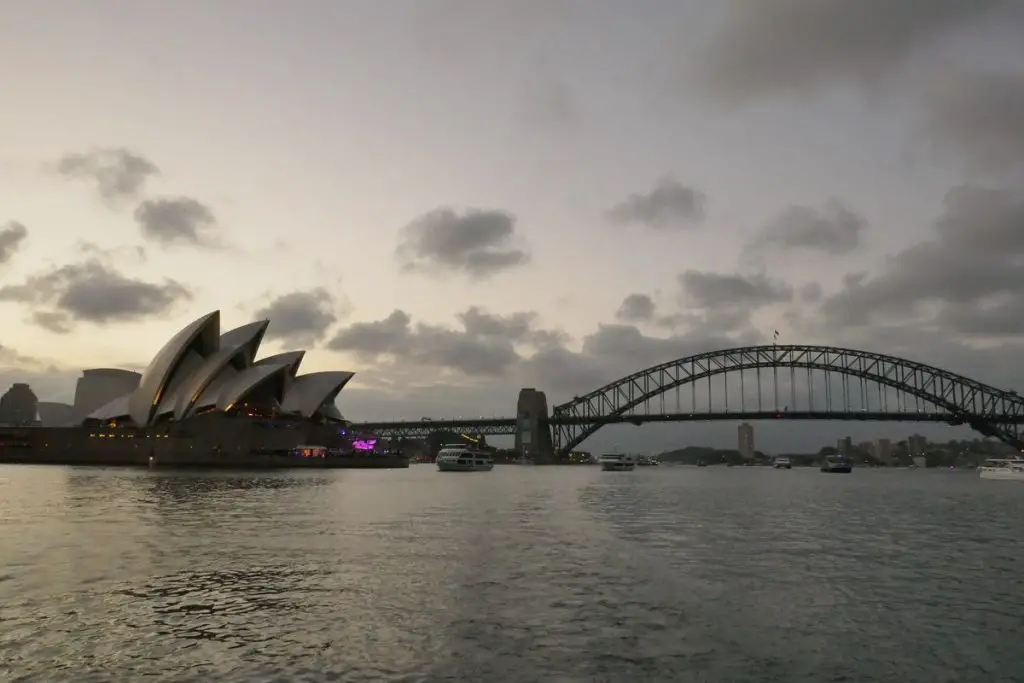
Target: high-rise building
(745, 433)
(917, 445)
(19, 406)
(845, 445)
(883, 450)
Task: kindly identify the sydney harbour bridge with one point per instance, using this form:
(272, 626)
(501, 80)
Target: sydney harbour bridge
(773, 382)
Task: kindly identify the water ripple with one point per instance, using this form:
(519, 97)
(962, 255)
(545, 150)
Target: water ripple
(547, 574)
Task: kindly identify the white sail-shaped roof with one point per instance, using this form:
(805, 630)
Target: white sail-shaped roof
(237, 348)
(201, 336)
(308, 392)
(249, 381)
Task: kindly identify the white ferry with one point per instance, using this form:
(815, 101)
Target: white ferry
(617, 462)
(1003, 468)
(463, 459)
(837, 464)
(782, 463)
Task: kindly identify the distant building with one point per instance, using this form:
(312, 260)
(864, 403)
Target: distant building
(845, 445)
(745, 445)
(917, 445)
(19, 406)
(99, 386)
(53, 414)
(883, 450)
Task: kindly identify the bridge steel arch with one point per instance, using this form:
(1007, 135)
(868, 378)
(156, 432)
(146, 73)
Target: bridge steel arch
(988, 410)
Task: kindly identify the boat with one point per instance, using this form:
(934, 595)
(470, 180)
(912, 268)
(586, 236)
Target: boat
(1010, 469)
(782, 463)
(647, 461)
(836, 464)
(460, 458)
(617, 462)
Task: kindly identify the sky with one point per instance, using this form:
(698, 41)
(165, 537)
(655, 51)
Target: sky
(458, 198)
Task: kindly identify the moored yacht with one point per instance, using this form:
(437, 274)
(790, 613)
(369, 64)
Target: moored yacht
(1011, 469)
(782, 463)
(617, 462)
(460, 458)
(647, 461)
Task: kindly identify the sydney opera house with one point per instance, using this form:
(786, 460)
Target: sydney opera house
(204, 398)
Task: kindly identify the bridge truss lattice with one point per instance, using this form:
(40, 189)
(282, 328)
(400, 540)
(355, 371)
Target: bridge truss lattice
(781, 380)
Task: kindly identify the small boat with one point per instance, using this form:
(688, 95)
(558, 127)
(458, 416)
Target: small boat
(463, 459)
(1009, 469)
(782, 463)
(647, 461)
(836, 464)
(617, 462)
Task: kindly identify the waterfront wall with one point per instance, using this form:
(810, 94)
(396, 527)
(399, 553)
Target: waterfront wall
(215, 440)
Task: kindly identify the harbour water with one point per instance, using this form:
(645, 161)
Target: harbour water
(519, 574)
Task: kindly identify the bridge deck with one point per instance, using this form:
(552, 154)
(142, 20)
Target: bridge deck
(507, 425)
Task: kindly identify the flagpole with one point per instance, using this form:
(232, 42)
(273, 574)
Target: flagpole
(775, 368)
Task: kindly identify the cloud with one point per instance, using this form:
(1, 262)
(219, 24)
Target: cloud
(171, 220)
(485, 346)
(92, 291)
(131, 253)
(301, 318)
(549, 102)
(967, 278)
(834, 229)
(54, 321)
(669, 205)
(10, 357)
(978, 117)
(117, 173)
(12, 236)
(476, 243)
(716, 290)
(514, 349)
(636, 308)
(766, 49)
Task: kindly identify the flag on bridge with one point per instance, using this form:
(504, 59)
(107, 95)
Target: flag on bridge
(776, 337)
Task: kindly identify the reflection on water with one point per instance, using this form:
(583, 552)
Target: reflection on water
(564, 574)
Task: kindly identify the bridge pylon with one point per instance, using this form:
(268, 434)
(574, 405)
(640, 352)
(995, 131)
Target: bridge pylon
(533, 436)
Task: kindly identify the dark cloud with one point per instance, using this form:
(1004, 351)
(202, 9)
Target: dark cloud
(811, 292)
(668, 205)
(118, 173)
(300, 317)
(636, 308)
(478, 243)
(513, 350)
(93, 291)
(54, 321)
(833, 229)
(978, 117)
(12, 236)
(170, 220)
(717, 290)
(395, 338)
(967, 277)
(515, 327)
(486, 345)
(765, 49)
(10, 357)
